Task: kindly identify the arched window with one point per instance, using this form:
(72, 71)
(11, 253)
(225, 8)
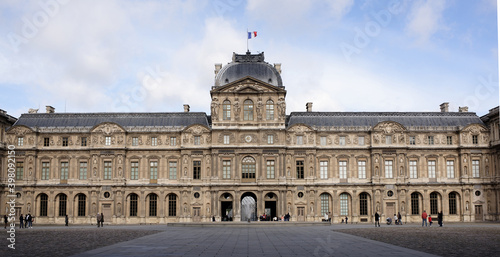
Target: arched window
(344, 207)
(172, 205)
(248, 168)
(325, 203)
(269, 110)
(453, 202)
(43, 204)
(153, 204)
(434, 203)
(133, 205)
(63, 200)
(415, 203)
(226, 110)
(82, 199)
(248, 110)
(363, 204)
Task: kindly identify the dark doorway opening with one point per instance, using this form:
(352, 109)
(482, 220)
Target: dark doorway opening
(226, 211)
(271, 209)
(248, 207)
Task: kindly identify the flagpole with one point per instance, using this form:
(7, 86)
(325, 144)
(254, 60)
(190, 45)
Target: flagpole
(247, 41)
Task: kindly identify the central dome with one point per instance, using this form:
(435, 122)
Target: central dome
(248, 64)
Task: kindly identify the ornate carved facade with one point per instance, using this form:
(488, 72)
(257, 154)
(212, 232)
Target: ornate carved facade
(248, 157)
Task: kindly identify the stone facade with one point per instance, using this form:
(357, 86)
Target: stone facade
(248, 157)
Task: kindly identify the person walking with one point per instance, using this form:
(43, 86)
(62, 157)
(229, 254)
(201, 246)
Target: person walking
(424, 218)
(102, 220)
(440, 218)
(66, 220)
(5, 221)
(396, 219)
(21, 221)
(98, 218)
(377, 219)
(346, 220)
(399, 219)
(430, 221)
(30, 220)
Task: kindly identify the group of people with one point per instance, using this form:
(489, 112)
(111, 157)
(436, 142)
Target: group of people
(397, 219)
(100, 220)
(426, 218)
(26, 221)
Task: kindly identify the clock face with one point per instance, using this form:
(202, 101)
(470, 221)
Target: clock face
(248, 138)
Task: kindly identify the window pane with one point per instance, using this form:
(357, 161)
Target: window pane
(361, 169)
(388, 169)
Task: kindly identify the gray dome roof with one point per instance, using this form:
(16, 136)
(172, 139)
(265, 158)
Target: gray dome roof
(248, 64)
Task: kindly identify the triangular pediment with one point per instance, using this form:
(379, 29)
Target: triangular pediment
(248, 85)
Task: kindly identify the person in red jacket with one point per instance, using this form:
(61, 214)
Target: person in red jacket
(430, 221)
(424, 218)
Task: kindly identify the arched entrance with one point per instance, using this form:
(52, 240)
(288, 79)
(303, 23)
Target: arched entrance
(248, 207)
(270, 205)
(226, 207)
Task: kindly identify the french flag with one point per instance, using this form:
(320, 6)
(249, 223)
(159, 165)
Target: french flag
(252, 34)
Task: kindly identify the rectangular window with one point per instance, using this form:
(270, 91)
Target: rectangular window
(413, 169)
(64, 141)
(226, 139)
(388, 140)
(153, 170)
(415, 204)
(64, 170)
(388, 169)
(19, 170)
(474, 139)
(361, 169)
(154, 141)
(20, 141)
(172, 170)
(323, 169)
(342, 169)
(135, 141)
(270, 139)
(299, 140)
(322, 140)
(173, 141)
(361, 140)
(45, 170)
(197, 140)
(46, 141)
(342, 140)
(134, 170)
(450, 169)
(83, 141)
(270, 168)
(344, 208)
(226, 169)
(431, 140)
(412, 140)
(196, 169)
(107, 170)
(431, 167)
(300, 169)
(475, 168)
(108, 141)
(83, 170)
(449, 140)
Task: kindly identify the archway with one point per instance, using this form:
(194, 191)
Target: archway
(270, 205)
(226, 207)
(248, 207)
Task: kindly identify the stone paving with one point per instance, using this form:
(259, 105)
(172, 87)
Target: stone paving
(345, 240)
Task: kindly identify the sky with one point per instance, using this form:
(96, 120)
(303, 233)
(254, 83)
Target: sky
(156, 56)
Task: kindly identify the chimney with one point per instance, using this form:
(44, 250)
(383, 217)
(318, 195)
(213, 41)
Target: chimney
(444, 107)
(218, 66)
(50, 109)
(277, 66)
(309, 107)
(463, 109)
(186, 108)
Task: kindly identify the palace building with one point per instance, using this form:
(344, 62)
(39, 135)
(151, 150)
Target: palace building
(248, 157)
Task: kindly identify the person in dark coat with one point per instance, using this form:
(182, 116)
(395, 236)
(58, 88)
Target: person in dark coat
(102, 220)
(440, 218)
(377, 219)
(98, 219)
(66, 221)
(5, 221)
(21, 221)
(400, 222)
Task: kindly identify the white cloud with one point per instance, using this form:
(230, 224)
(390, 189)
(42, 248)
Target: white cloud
(425, 19)
(339, 8)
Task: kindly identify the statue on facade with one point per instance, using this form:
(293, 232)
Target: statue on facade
(215, 108)
(281, 108)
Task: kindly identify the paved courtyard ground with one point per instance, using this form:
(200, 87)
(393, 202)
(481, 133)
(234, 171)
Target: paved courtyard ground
(340, 240)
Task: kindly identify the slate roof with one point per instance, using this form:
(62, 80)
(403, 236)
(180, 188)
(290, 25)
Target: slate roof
(252, 65)
(407, 119)
(181, 119)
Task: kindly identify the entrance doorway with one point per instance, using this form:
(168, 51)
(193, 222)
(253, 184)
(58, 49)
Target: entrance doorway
(196, 214)
(301, 213)
(106, 211)
(478, 212)
(389, 210)
(248, 207)
(270, 205)
(226, 210)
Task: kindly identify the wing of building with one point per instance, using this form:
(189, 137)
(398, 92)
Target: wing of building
(249, 158)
